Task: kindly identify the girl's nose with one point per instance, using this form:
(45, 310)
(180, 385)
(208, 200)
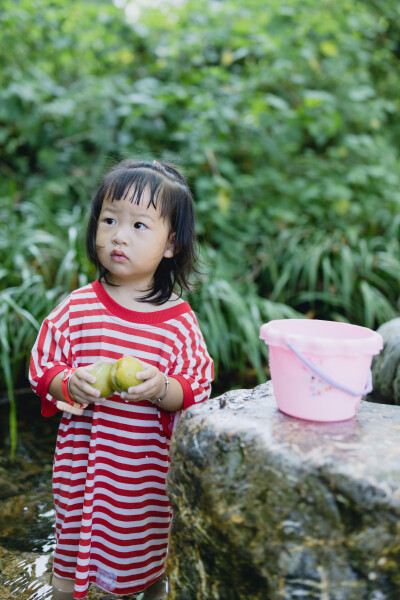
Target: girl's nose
(119, 236)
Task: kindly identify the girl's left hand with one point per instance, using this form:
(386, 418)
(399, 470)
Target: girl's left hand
(152, 388)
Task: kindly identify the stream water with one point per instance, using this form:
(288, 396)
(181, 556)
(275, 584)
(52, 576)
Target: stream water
(26, 516)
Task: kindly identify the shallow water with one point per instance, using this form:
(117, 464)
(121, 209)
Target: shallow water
(27, 516)
(25, 576)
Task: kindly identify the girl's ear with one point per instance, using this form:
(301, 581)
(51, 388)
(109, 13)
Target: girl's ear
(170, 247)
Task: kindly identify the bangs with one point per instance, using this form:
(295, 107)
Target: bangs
(131, 184)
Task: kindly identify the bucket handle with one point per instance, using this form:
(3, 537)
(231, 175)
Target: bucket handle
(368, 386)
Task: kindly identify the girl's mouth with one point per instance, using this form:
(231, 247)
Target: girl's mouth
(118, 256)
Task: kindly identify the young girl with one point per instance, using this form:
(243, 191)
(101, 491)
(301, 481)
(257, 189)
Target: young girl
(111, 458)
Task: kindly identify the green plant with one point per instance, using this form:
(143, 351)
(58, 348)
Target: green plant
(230, 314)
(38, 269)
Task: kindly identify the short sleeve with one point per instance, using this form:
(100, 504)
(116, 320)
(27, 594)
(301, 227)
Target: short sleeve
(50, 355)
(192, 366)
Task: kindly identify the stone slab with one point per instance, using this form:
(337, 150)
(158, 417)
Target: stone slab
(270, 507)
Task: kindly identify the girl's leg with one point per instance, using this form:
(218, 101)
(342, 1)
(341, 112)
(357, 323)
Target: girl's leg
(63, 589)
(157, 590)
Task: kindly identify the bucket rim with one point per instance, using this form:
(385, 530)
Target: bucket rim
(371, 344)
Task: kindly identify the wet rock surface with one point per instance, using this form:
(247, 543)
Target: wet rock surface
(269, 507)
(386, 366)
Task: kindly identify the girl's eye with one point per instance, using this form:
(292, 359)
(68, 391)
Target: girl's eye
(139, 225)
(109, 221)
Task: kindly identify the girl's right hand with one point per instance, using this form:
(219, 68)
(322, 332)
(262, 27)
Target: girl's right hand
(80, 387)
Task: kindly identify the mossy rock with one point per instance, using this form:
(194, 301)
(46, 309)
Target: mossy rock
(386, 366)
(268, 507)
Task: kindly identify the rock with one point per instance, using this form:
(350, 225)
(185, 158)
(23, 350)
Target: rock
(7, 488)
(386, 366)
(268, 507)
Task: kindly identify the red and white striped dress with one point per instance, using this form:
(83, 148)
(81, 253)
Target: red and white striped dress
(110, 465)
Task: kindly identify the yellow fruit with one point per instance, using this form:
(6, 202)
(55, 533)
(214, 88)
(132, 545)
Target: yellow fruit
(123, 373)
(103, 381)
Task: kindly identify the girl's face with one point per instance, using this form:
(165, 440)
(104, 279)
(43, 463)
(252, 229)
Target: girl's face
(131, 241)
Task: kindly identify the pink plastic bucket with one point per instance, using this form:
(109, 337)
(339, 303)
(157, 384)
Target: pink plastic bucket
(320, 369)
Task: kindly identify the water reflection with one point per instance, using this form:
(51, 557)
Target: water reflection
(27, 511)
(25, 578)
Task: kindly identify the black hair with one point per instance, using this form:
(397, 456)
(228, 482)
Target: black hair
(169, 193)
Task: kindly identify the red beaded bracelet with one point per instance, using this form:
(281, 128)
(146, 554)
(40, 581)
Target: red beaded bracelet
(65, 385)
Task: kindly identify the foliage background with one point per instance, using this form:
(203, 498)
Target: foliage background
(284, 116)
